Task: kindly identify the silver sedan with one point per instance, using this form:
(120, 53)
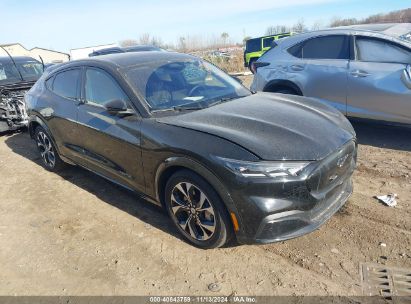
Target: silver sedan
(364, 71)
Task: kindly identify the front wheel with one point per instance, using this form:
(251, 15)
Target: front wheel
(197, 211)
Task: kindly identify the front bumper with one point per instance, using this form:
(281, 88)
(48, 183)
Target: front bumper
(272, 211)
(291, 224)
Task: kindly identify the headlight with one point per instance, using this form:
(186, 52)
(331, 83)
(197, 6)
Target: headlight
(264, 168)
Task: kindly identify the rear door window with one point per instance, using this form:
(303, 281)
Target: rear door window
(326, 47)
(65, 83)
(378, 50)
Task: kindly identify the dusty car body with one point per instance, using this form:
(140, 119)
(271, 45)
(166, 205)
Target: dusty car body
(221, 160)
(364, 71)
(17, 76)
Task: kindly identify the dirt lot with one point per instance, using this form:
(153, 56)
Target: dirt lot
(77, 234)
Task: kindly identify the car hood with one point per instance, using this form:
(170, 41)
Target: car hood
(272, 126)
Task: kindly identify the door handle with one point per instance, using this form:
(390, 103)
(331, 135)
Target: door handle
(358, 73)
(297, 67)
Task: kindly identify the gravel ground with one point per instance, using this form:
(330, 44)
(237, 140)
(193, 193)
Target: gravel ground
(74, 233)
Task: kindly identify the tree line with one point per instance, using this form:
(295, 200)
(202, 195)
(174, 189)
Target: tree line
(191, 43)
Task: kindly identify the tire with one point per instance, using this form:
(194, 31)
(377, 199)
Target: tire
(48, 153)
(286, 91)
(252, 60)
(205, 225)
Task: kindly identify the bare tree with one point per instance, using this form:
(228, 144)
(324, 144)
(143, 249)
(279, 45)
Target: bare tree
(401, 16)
(224, 37)
(299, 26)
(271, 30)
(245, 39)
(277, 29)
(317, 25)
(157, 41)
(336, 21)
(182, 44)
(128, 42)
(144, 38)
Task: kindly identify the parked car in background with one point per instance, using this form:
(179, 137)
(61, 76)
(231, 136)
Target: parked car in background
(220, 55)
(17, 75)
(364, 71)
(135, 48)
(221, 160)
(256, 47)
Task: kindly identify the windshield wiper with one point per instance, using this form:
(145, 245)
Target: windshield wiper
(193, 106)
(223, 99)
(188, 107)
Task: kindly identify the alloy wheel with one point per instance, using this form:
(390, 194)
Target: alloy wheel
(46, 149)
(193, 211)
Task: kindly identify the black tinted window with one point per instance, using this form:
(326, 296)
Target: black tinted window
(101, 87)
(66, 83)
(296, 50)
(377, 50)
(328, 47)
(253, 45)
(267, 42)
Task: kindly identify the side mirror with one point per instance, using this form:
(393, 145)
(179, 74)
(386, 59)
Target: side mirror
(118, 107)
(115, 105)
(406, 76)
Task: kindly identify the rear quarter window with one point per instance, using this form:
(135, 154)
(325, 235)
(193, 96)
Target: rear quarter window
(65, 83)
(296, 50)
(49, 83)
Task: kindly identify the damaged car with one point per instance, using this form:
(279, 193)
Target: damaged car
(17, 76)
(362, 70)
(224, 162)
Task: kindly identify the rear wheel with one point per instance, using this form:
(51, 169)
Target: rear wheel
(49, 156)
(197, 211)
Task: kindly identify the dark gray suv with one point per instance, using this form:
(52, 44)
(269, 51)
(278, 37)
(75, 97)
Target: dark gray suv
(222, 161)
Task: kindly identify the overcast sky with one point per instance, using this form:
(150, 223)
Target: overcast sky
(62, 25)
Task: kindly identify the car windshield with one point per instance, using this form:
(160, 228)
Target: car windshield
(30, 70)
(186, 84)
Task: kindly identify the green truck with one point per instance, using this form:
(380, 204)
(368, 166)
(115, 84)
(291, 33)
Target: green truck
(256, 47)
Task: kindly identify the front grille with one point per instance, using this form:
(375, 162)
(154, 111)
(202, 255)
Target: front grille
(331, 171)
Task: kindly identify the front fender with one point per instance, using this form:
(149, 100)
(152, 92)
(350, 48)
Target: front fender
(209, 176)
